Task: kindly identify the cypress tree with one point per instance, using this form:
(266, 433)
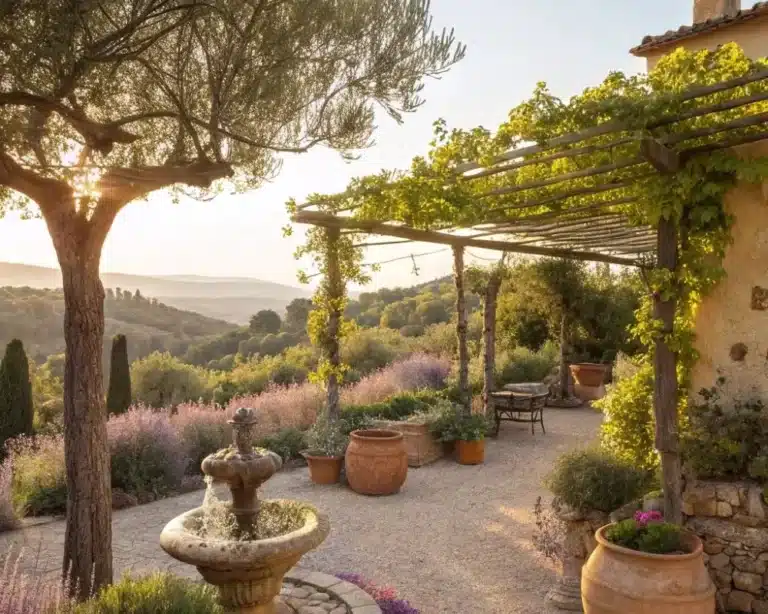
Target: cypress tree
(119, 393)
(16, 413)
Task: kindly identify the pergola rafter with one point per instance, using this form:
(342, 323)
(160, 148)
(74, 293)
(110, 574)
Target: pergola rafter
(577, 196)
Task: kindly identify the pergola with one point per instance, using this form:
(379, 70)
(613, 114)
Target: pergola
(539, 217)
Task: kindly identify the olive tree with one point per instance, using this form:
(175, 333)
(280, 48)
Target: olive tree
(103, 102)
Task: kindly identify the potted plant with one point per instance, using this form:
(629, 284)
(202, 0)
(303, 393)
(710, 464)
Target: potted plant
(590, 374)
(644, 564)
(326, 443)
(468, 431)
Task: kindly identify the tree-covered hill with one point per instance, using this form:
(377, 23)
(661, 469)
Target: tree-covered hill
(36, 316)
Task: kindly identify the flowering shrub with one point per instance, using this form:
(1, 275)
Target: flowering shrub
(203, 429)
(385, 596)
(279, 407)
(646, 532)
(39, 485)
(414, 373)
(148, 454)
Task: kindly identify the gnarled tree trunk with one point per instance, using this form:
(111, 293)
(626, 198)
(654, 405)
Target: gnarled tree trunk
(565, 375)
(88, 538)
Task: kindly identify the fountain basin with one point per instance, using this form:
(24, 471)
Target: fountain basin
(248, 574)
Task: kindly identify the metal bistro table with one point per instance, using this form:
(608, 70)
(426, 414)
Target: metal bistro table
(516, 406)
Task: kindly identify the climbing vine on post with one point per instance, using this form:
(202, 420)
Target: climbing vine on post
(339, 263)
(465, 396)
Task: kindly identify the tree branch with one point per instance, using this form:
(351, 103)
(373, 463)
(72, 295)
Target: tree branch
(46, 192)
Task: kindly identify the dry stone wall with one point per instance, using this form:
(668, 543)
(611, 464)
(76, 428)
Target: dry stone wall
(732, 520)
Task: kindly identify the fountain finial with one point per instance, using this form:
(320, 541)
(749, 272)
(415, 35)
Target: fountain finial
(242, 423)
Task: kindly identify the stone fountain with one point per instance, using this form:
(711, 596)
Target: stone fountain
(266, 538)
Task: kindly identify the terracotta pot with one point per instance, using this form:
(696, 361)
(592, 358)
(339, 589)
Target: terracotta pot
(589, 374)
(376, 461)
(470, 452)
(324, 469)
(617, 579)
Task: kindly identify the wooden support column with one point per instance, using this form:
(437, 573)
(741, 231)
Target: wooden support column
(665, 382)
(490, 304)
(465, 396)
(565, 375)
(335, 290)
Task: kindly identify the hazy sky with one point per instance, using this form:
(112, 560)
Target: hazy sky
(512, 44)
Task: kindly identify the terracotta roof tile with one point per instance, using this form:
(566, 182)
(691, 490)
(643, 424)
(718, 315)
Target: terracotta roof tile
(673, 36)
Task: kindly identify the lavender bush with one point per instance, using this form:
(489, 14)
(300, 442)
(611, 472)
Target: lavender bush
(28, 593)
(203, 429)
(385, 596)
(413, 373)
(148, 454)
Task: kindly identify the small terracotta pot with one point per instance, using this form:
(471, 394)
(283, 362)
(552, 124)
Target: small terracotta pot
(470, 452)
(589, 374)
(617, 579)
(376, 462)
(324, 469)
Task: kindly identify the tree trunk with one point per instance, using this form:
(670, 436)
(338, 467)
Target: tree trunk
(88, 537)
(461, 330)
(335, 290)
(565, 374)
(489, 341)
(665, 382)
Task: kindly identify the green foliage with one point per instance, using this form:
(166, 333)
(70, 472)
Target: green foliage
(397, 407)
(653, 537)
(39, 486)
(628, 425)
(326, 438)
(47, 399)
(448, 424)
(727, 442)
(265, 322)
(523, 365)
(288, 443)
(16, 411)
(297, 314)
(160, 380)
(589, 479)
(119, 391)
(159, 593)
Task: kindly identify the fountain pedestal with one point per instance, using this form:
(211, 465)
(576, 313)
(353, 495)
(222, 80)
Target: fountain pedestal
(247, 572)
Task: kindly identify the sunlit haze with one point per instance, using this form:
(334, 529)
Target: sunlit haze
(512, 44)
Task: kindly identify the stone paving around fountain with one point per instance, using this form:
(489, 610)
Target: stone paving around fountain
(455, 540)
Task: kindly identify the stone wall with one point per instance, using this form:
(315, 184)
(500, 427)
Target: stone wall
(732, 520)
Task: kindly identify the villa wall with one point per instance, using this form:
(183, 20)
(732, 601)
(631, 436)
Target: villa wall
(751, 35)
(732, 321)
(732, 520)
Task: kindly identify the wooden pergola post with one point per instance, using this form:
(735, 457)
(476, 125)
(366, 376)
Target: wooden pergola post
(490, 304)
(335, 293)
(465, 397)
(665, 381)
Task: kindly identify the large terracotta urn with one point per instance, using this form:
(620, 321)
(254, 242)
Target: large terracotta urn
(376, 462)
(589, 373)
(619, 580)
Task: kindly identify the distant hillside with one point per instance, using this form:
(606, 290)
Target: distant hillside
(233, 299)
(36, 316)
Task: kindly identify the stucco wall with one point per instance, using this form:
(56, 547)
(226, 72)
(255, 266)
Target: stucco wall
(752, 36)
(726, 316)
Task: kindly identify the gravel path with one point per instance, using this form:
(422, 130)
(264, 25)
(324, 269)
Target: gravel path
(455, 540)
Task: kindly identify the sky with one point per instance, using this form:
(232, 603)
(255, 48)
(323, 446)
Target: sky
(511, 45)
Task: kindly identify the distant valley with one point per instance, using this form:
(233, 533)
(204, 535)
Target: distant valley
(233, 299)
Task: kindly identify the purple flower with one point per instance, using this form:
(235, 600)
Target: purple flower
(644, 518)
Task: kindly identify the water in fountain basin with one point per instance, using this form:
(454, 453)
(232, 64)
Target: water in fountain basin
(274, 518)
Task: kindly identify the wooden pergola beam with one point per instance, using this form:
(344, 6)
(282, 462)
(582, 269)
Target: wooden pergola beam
(430, 236)
(612, 127)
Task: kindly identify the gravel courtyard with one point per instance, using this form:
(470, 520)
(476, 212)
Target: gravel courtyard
(455, 540)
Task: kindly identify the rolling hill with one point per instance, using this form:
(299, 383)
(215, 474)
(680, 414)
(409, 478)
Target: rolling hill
(233, 299)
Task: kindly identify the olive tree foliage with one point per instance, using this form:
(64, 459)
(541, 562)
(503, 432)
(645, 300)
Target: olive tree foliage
(104, 101)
